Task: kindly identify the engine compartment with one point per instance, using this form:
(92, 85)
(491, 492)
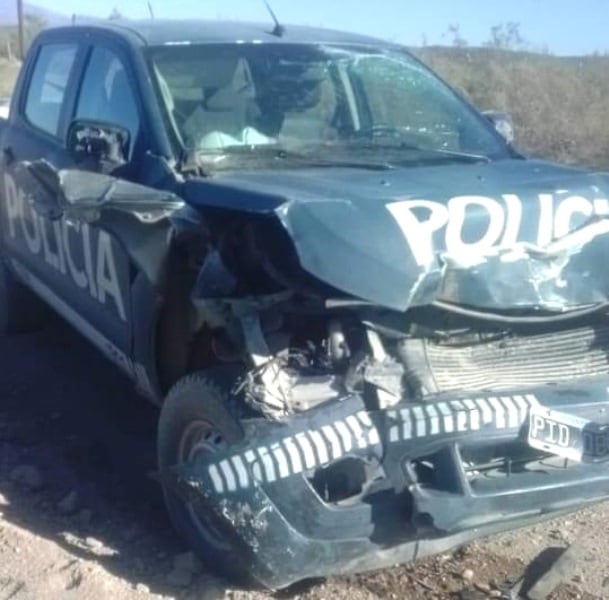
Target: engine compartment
(304, 343)
(304, 353)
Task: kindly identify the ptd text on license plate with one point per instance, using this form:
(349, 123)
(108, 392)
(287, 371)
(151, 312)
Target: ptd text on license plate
(568, 435)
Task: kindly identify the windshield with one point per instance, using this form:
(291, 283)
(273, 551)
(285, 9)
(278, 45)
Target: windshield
(314, 100)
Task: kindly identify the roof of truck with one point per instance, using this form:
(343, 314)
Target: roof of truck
(159, 32)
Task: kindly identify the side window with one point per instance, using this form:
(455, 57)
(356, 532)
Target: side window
(106, 93)
(48, 85)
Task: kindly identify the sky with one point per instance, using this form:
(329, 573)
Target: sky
(565, 27)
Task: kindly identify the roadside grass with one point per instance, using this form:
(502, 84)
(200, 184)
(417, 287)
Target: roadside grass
(560, 105)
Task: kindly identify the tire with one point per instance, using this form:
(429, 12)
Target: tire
(197, 402)
(21, 311)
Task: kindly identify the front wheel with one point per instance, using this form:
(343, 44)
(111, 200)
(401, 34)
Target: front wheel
(196, 422)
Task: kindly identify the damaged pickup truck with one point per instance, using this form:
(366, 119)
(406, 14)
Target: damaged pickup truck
(375, 330)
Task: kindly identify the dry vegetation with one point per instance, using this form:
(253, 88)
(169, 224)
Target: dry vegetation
(8, 74)
(560, 106)
(9, 49)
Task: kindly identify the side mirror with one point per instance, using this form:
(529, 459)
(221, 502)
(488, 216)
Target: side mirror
(503, 123)
(105, 144)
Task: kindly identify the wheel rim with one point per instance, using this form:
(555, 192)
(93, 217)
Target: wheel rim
(200, 439)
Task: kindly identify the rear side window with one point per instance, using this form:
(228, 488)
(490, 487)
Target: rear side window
(106, 93)
(48, 85)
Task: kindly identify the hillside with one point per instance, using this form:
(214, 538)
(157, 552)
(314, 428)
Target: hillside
(35, 17)
(8, 74)
(560, 105)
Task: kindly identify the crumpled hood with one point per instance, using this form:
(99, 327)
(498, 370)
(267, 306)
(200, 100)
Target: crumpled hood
(504, 235)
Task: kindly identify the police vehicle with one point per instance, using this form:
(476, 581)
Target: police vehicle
(375, 330)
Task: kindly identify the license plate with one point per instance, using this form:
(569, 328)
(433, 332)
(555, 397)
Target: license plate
(569, 436)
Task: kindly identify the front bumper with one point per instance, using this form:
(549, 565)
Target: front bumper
(425, 495)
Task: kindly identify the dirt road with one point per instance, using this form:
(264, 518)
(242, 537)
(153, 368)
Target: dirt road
(80, 518)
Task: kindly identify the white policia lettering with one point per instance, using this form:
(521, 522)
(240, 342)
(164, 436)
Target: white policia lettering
(56, 243)
(420, 220)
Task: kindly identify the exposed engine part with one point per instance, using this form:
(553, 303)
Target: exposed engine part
(338, 348)
(274, 386)
(310, 391)
(299, 393)
(268, 384)
(383, 373)
(386, 377)
(286, 379)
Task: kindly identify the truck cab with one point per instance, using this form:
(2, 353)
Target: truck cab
(374, 328)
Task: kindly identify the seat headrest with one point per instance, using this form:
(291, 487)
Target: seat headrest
(237, 90)
(218, 73)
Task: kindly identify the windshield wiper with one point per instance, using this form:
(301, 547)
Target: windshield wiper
(470, 156)
(275, 153)
(209, 160)
(314, 161)
(402, 145)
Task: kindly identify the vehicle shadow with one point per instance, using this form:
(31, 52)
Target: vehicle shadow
(76, 453)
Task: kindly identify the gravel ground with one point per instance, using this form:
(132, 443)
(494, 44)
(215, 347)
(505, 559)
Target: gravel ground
(81, 518)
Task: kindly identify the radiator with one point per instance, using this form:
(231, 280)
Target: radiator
(514, 360)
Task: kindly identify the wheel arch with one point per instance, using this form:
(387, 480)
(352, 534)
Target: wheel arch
(165, 331)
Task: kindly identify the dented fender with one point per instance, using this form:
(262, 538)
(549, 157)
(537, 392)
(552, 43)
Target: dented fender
(90, 198)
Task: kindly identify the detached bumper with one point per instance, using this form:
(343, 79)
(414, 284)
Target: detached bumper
(434, 476)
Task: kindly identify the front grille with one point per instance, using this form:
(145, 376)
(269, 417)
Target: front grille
(512, 361)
